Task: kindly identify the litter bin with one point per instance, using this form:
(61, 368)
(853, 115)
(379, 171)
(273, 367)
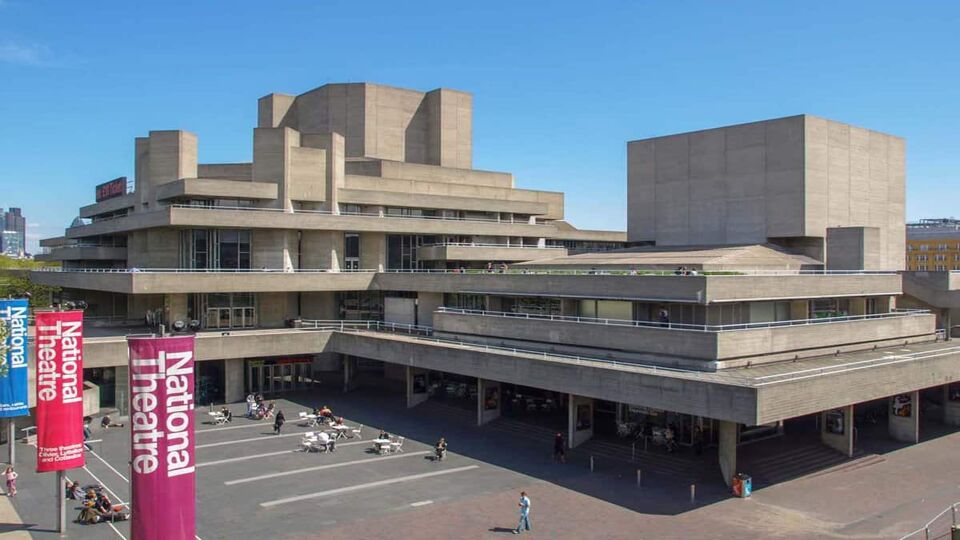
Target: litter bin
(742, 485)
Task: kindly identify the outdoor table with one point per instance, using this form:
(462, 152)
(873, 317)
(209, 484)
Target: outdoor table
(380, 443)
(341, 431)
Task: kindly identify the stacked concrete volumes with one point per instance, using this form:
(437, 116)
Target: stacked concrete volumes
(760, 282)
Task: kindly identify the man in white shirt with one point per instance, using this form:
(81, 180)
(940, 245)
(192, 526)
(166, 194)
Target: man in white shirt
(324, 439)
(524, 513)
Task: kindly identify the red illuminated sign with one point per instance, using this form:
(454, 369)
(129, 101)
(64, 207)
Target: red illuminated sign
(111, 189)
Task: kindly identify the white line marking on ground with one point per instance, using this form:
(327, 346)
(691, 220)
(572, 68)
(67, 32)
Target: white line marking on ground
(247, 426)
(115, 496)
(255, 439)
(321, 468)
(109, 466)
(245, 458)
(269, 454)
(421, 503)
(359, 487)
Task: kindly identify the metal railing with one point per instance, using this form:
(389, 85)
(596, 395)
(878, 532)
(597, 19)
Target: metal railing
(498, 271)
(938, 528)
(336, 324)
(377, 215)
(486, 245)
(684, 326)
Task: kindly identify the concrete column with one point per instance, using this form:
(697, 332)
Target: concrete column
(488, 401)
(951, 407)
(858, 306)
(233, 390)
(569, 307)
(416, 394)
(349, 373)
(579, 420)
(904, 417)
(836, 429)
(946, 322)
(122, 389)
(727, 452)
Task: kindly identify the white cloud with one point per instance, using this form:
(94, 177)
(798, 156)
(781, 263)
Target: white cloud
(18, 53)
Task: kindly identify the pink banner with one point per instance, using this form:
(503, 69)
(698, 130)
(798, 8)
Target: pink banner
(162, 436)
(59, 390)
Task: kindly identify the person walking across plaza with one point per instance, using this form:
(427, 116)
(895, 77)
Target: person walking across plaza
(278, 423)
(524, 524)
(11, 477)
(559, 449)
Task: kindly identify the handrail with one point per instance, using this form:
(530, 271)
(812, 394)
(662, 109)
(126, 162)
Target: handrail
(683, 326)
(377, 215)
(480, 244)
(926, 528)
(623, 274)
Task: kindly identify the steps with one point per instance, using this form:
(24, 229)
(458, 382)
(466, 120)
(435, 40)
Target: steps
(680, 465)
(779, 465)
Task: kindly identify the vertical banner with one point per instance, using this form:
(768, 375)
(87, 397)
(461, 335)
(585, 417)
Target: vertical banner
(162, 438)
(13, 383)
(59, 390)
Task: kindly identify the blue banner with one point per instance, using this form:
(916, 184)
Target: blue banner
(13, 382)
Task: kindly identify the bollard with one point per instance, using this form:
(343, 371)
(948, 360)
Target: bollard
(591, 463)
(633, 451)
(639, 478)
(693, 493)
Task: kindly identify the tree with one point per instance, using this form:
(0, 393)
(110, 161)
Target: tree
(19, 287)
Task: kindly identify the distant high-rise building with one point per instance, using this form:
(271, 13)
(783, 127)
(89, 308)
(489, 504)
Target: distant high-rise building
(933, 245)
(13, 241)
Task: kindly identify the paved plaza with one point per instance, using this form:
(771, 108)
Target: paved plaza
(254, 484)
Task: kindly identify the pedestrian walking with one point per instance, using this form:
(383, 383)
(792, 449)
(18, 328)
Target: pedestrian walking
(11, 476)
(559, 449)
(698, 440)
(278, 422)
(524, 524)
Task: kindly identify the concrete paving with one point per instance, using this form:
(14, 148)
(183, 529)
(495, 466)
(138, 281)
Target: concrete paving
(253, 484)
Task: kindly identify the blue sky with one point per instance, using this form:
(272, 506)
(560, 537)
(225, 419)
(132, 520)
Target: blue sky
(559, 87)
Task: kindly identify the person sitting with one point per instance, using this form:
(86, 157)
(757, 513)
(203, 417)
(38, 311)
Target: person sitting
(74, 491)
(88, 515)
(107, 423)
(384, 435)
(103, 503)
(441, 449)
(225, 412)
(326, 412)
(338, 421)
(323, 439)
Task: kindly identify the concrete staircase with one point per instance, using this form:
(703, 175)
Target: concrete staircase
(680, 465)
(809, 459)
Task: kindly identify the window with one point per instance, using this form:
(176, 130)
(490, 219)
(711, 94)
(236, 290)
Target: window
(215, 249)
(942, 247)
(402, 251)
(940, 257)
(465, 301)
(941, 268)
(224, 310)
(351, 251)
(921, 257)
(924, 247)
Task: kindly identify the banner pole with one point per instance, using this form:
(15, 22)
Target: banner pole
(11, 432)
(61, 504)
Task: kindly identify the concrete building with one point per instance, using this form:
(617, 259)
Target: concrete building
(933, 245)
(360, 246)
(14, 234)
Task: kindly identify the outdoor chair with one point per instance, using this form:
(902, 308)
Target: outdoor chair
(356, 432)
(397, 446)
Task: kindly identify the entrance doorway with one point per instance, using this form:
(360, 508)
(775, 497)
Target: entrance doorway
(278, 376)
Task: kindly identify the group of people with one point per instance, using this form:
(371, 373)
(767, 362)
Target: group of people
(684, 271)
(503, 268)
(257, 408)
(96, 506)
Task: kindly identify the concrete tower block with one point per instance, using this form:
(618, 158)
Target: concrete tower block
(277, 110)
(173, 155)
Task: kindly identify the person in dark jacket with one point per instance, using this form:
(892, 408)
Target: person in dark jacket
(559, 448)
(278, 422)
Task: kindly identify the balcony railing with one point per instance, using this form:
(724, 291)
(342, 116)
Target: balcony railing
(483, 245)
(684, 326)
(354, 214)
(510, 271)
